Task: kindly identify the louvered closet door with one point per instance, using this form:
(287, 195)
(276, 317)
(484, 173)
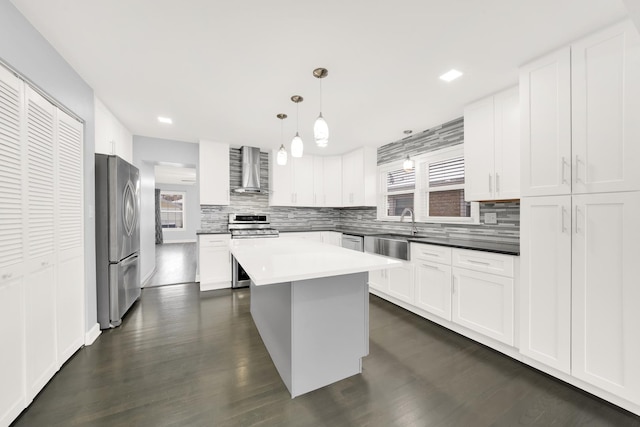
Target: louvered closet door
(12, 387)
(70, 237)
(40, 288)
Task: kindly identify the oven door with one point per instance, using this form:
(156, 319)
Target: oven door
(240, 278)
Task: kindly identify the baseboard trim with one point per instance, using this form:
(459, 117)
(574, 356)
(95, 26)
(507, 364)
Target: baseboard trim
(92, 335)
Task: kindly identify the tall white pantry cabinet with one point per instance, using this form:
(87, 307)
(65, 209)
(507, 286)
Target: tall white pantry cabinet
(41, 242)
(580, 212)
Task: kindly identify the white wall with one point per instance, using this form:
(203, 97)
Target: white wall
(25, 50)
(147, 152)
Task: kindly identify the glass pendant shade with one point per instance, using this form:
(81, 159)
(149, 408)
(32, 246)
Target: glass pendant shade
(281, 158)
(296, 146)
(321, 131)
(408, 164)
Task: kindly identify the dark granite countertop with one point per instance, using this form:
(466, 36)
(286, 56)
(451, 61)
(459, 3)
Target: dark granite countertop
(212, 232)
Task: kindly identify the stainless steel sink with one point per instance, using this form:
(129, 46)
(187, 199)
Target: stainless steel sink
(391, 245)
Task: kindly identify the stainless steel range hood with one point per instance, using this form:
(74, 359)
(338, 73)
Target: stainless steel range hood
(250, 170)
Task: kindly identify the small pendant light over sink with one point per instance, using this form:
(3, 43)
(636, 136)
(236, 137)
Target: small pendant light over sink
(297, 147)
(320, 127)
(281, 158)
(408, 164)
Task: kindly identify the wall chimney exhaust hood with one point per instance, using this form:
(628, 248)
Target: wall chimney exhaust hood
(250, 170)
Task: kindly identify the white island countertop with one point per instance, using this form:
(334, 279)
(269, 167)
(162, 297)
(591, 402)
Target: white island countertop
(287, 259)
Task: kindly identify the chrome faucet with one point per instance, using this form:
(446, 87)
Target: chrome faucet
(414, 230)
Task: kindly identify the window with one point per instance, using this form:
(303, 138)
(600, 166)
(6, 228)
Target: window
(172, 210)
(434, 189)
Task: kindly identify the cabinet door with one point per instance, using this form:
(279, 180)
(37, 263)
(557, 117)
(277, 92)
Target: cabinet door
(352, 173)
(318, 182)
(12, 356)
(605, 77)
(545, 297)
(332, 181)
(507, 144)
(484, 303)
(303, 181)
(215, 266)
(332, 238)
(545, 104)
(433, 288)
(280, 185)
(479, 183)
(213, 172)
(401, 282)
(378, 280)
(70, 310)
(605, 293)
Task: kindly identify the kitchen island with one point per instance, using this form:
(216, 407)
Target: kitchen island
(310, 303)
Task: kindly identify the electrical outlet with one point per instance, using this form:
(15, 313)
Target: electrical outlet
(490, 218)
(359, 216)
(290, 216)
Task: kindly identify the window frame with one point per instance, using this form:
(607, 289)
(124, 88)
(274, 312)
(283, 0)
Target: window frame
(422, 189)
(184, 209)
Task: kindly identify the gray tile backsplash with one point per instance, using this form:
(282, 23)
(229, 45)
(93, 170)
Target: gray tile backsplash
(507, 229)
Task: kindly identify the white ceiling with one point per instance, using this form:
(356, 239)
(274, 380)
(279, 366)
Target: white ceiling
(174, 175)
(223, 69)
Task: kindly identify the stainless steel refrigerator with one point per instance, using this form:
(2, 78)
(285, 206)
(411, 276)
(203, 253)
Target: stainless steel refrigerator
(117, 238)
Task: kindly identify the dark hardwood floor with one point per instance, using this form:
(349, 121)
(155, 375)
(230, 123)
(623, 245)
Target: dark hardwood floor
(185, 358)
(175, 263)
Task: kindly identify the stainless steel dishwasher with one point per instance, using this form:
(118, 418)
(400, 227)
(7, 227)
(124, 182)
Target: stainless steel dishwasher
(350, 241)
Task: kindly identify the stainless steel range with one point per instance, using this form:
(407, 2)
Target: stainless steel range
(247, 226)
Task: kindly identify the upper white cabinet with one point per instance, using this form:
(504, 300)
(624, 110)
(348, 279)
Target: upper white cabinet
(605, 99)
(605, 292)
(318, 181)
(359, 177)
(545, 296)
(213, 173)
(332, 181)
(492, 147)
(111, 135)
(579, 116)
(292, 184)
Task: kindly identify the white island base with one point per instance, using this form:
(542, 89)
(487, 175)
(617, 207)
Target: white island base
(316, 330)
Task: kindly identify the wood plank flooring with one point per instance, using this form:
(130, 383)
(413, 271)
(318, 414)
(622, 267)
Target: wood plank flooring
(185, 358)
(175, 263)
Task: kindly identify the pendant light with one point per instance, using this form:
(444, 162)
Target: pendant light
(281, 157)
(408, 164)
(320, 127)
(297, 147)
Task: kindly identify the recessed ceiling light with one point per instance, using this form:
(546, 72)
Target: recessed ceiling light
(450, 75)
(166, 120)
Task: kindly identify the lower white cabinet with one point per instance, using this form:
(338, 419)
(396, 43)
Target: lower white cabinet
(483, 303)
(433, 288)
(378, 280)
(214, 261)
(332, 238)
(316, 236)
(606, 292)
(397, 282)
(12, 363)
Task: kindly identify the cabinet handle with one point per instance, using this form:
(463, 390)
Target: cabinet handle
(432, 267)
(490, 187)
(497, 182)
(453, 285)
(7, 276)
(478, 262)
(564, 164)
(576, 220)
(429, 253)
(44, 263)
(562, 213)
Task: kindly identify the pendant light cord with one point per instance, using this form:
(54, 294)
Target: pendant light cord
(320, 96)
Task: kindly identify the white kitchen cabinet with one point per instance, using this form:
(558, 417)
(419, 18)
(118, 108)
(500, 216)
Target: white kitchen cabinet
(492, 147)
(213, 173)
(379, 281)
(318, 181)
(579, 116)
(605, 292)
(315, 236)
(396, 282)
(605, 99)
(12, 357)
(292, 184)
(545, 103)
(214, 261)
(432, 266)
(359, 177)
(111, 137)
(545, 296)
(332, 238)
(332, 181)
(483, 303)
